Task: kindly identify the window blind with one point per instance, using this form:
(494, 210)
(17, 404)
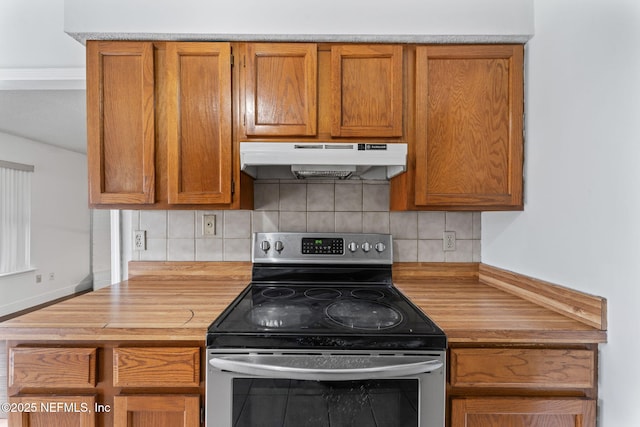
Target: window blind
(15, 217)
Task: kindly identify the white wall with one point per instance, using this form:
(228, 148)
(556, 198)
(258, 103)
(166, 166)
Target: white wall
(60, 225)
(32, 36)
(326, 17)
(581, 224)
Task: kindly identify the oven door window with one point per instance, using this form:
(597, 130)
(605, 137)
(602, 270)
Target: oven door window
(293, 403)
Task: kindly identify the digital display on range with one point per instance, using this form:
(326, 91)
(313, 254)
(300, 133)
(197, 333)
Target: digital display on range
(322, 246)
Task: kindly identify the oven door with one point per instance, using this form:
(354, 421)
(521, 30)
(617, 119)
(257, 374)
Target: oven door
(254, 388)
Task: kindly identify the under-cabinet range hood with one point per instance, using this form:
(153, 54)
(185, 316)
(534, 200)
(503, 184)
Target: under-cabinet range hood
(336, 160)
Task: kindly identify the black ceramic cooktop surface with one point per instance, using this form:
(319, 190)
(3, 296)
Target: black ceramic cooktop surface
(318, 315)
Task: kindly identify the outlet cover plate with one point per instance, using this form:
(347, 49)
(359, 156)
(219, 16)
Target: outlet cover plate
(449, 241)
(140, 240)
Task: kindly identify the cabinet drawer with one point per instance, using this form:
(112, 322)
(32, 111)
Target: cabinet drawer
(523, 368)
(47, 367)
(156, 367)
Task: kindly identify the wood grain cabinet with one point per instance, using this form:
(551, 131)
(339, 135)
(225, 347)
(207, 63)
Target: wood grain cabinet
(120, 383)
(159, 124)
(121, 122)
(281, 89)
(522, 387)
(52, 411)
(468, 146)
(522, 412)
(366, 90)
(157, 411)
(199, 123)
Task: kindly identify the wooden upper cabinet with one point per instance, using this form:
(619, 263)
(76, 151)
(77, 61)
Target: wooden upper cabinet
(469, 114)
(120, 122)
(281, 89)
(198, 90)
(366, 90)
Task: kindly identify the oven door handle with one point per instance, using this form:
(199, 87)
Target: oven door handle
(326, 367)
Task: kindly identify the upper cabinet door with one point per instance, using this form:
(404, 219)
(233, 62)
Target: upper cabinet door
(366, 90)
(120, 122)
(281, 89)
(198, 89)
(469, 113)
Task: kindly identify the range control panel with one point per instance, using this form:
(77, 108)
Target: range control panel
(322, 248)
(322, 245)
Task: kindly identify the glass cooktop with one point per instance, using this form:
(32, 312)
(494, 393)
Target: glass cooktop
(314, 315)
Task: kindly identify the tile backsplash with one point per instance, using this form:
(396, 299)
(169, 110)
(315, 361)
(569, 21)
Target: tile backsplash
(318, 206)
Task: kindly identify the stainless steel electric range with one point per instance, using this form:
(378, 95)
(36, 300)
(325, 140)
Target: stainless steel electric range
(321, 337)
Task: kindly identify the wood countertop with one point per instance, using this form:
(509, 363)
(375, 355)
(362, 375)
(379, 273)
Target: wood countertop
(177, 301)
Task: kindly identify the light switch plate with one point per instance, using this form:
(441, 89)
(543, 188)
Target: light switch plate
(209, 225)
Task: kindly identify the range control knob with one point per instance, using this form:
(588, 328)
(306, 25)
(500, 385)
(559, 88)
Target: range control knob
(265, 245)
(353, 246)
(380, 247)
(279, 246)
(366, 246)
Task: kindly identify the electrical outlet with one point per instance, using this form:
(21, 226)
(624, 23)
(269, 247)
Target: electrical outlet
(52, 276)
(140, 240)
(209, 225)
(38, 278)
(449, 241)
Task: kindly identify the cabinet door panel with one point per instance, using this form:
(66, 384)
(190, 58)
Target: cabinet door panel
(469, 126)
(120, 122)
(522, 412)
(281, 89)
(54, 411)
(156, 367)
(52, 367)
(522, 368)
(366, 89)
(199, 123)
(156, 411)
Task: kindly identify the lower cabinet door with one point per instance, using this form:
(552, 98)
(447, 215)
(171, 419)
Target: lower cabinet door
(523, 412)
(156, 411)
(52, 411)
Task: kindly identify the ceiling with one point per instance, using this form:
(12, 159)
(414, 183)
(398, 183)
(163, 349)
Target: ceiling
(56, 117)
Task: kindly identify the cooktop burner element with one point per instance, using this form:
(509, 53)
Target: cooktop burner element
(327, 290)
(358, 314)
(273, 315)
(323, 294)
(278, 293)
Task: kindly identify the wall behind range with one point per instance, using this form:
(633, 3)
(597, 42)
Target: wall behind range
(318, 206)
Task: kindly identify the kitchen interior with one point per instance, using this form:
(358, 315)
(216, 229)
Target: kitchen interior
(578, 187)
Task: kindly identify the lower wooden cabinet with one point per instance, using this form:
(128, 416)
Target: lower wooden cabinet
(52, 411)
(85, 384)
(156, 410)
(522, 412)
(511, 386)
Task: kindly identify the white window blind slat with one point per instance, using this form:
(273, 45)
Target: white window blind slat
(15, 217)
